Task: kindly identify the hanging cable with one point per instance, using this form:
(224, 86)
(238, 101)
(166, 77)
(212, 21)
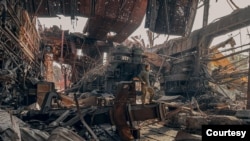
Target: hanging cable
(230, 5)
(234, 4)
(38, 7)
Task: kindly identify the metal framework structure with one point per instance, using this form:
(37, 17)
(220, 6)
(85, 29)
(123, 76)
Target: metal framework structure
(19, 38)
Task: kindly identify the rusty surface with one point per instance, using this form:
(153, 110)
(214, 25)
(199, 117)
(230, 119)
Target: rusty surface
(120, 17)
(139, 113)
(48, 63)
(71, 43)
(105, 16)
(226, 68)
(28, 35)
(19, 42)
(126, 110)
(42, 89)
(119, 112)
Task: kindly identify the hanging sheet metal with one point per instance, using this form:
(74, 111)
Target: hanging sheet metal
(171, 17)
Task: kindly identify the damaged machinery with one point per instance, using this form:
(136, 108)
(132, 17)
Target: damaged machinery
(19, 47)
(96, 93)
(189, 56)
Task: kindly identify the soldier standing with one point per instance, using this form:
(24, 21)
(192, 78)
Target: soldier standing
(146, 88)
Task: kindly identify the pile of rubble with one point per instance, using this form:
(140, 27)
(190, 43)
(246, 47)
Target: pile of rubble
(183, 120)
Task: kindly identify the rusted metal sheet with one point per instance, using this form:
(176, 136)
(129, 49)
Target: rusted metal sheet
(119, 112)
(28, 36)
(118, 17)
(42, 89)
(151, 111)
(171, 17)
(132, 22)
(123, 105)
(19, 33)
(105, 16)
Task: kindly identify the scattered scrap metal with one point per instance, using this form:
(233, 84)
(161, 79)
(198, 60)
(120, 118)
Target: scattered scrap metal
(103, 103)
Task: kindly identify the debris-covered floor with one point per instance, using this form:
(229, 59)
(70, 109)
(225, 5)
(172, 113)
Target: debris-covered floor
(70, 86)
(181, 120)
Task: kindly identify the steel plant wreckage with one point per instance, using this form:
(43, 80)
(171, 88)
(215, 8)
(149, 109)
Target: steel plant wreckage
(99, 99)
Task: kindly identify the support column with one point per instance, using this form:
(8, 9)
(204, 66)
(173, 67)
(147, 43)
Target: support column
(206, 12)
(248, 85)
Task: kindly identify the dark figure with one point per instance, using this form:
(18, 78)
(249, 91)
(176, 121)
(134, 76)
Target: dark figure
(147, 90)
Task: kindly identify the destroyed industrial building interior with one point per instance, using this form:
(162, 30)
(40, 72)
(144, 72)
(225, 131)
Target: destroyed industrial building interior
(78, 86)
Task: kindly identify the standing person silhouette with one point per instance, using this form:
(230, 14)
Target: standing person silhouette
(146, 88)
